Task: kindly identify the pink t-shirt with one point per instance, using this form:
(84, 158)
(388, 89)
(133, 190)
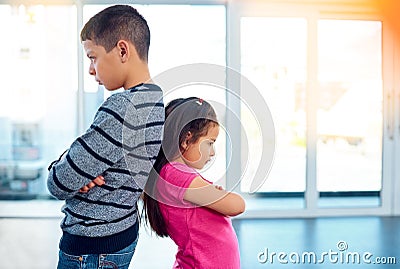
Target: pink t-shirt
(205, 238)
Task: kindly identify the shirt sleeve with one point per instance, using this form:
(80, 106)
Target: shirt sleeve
(175, 179)
(92, 153)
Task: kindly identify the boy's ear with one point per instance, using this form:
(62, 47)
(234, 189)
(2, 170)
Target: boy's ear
(123, 50)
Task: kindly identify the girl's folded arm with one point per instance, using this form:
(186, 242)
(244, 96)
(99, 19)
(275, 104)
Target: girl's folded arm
(202, 193)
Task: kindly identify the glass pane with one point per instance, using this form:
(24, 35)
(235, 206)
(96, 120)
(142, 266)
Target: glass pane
(274, 59)
(38, 94)
(349, 120)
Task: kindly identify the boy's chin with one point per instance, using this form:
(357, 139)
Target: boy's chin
(111, 89)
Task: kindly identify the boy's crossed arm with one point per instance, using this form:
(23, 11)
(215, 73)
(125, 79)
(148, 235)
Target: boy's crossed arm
(98, 181)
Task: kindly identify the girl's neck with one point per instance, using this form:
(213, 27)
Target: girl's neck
(179, 160)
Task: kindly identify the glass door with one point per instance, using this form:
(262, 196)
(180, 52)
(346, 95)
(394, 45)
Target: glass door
(349, 113)
(275, 60)
(322, 77)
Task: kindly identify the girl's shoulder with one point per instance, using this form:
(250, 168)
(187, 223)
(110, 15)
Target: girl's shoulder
(176, 173)
(177, 167)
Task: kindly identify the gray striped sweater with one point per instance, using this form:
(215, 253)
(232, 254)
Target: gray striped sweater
(121, 144)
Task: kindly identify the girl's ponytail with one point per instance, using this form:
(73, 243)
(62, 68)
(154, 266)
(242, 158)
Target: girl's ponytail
(152, 212)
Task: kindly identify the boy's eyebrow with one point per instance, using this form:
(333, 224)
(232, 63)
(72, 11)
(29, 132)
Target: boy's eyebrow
(88, 52)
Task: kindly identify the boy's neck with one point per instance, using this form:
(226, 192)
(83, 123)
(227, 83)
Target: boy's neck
(139, 75)
(145, 79)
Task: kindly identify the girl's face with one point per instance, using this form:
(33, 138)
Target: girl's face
(197, 154)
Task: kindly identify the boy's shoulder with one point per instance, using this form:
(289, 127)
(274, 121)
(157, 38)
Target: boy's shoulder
(146, 98)
(136, 94)
(144, 94)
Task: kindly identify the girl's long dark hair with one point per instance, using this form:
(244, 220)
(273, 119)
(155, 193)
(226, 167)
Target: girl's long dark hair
(182, 116)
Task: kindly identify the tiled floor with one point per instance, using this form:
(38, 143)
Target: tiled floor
(27, 243)
(33, 244)
(351, 242)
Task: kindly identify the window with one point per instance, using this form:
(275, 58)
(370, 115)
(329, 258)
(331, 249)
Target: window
(40, 105)
(274, 59)
(39, 89)
(349, 119)
(321, 71)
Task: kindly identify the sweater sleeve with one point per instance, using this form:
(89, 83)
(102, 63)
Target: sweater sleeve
(92, 153)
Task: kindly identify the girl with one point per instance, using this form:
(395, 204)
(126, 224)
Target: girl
(180, 203)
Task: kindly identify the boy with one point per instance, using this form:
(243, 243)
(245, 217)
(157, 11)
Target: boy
(104, 171)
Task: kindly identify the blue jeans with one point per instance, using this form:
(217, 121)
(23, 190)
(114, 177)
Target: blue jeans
(117, 260)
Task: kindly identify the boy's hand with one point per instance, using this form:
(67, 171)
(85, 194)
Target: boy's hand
(98, 181)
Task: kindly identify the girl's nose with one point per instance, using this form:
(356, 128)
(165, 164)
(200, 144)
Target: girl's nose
(212, 151)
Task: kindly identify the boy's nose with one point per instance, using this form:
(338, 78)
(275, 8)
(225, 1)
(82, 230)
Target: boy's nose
(92, 71)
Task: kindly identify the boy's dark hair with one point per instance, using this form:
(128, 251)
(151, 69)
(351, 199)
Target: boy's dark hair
(118, 22)
(181, 116)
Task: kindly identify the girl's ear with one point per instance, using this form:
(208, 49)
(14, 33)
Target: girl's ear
(123, 50)
(185, 142)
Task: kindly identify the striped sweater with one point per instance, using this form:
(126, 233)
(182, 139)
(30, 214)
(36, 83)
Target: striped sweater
(121, 144)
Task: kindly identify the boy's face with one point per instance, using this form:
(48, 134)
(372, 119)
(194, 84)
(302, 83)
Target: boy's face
(105, 67)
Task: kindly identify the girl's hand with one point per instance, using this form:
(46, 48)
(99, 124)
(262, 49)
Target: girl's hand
(98, 181)
(218, 187)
